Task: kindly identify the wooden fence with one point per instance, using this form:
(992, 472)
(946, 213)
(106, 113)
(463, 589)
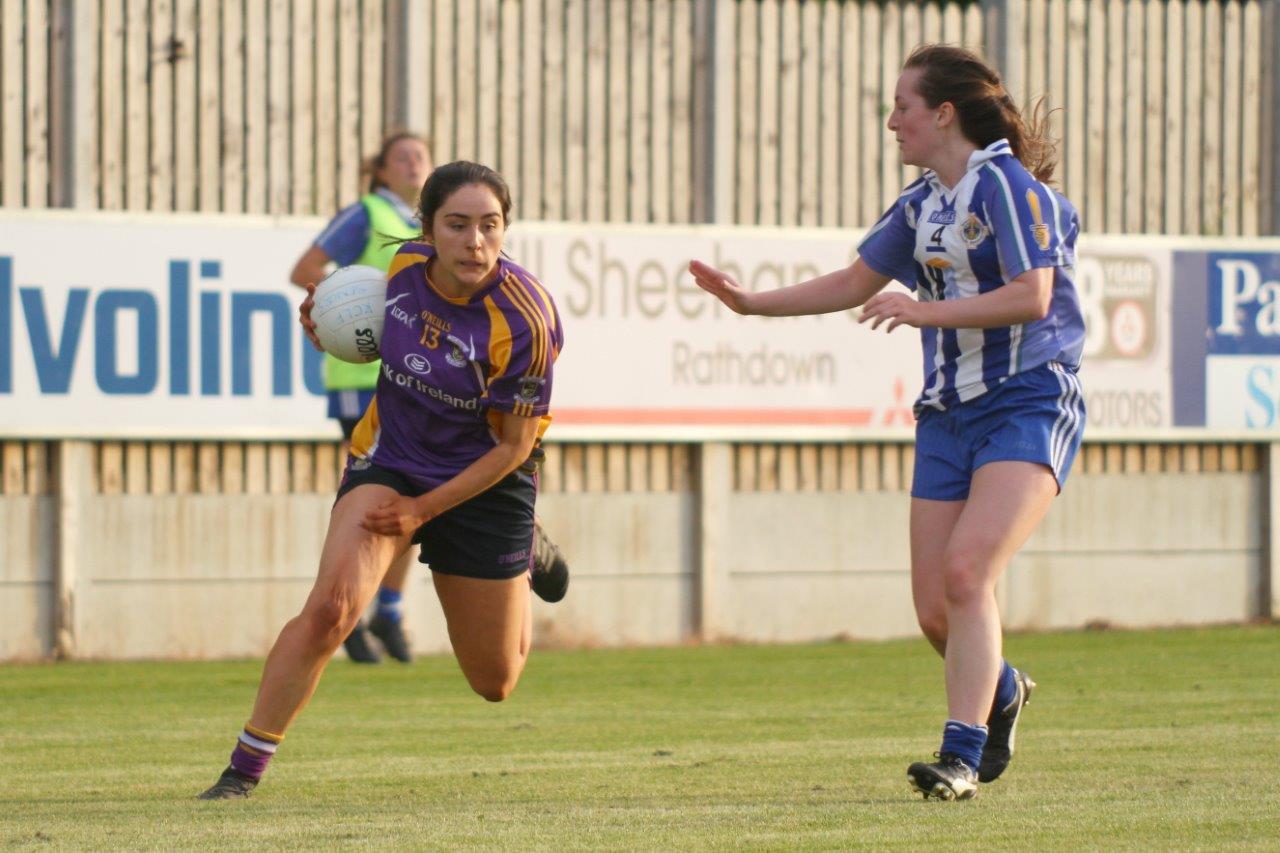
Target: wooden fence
(233, 467)
(734, 111)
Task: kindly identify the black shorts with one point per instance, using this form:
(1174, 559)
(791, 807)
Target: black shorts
(489, 536)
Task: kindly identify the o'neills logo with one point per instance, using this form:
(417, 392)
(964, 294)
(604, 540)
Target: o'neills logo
(404, 380)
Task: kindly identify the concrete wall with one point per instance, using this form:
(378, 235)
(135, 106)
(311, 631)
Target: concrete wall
(98, 574)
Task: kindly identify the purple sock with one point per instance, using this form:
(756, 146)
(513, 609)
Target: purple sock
(253, 751)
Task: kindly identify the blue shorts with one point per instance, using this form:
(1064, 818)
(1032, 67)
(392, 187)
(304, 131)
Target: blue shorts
(1034, 416)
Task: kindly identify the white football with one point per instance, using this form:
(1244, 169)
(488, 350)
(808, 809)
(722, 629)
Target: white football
(350, 304)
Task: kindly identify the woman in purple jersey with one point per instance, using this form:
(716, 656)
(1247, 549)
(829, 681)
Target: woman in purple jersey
(989, 250)
(445, 457)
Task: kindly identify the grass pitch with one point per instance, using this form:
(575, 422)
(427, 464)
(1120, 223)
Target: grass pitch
(1166, 740)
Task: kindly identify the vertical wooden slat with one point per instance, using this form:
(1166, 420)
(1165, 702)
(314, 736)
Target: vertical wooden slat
(1211, 458)
(160, 465)
(811, 147)
(209, 466)
(1174, 115)
(302, 472)
(575, 478)
(1036, 77)
(767, 179)
(537, 98)
(231, 126)
(280, 179)
(1056, 84)
(11, 93)
(209, 114)
(891, 167)
(660, 467)
(1191, 458)
(597, 68)
(1094, 461)
(615, 467)
(682, 474)
(908, 38)
(1193, 127)
(1115, 116)
(1232, 112)
(616, 115)
(868, 467)
(660, 115)
(1231, 457)
(746, 467)
(137, 115)
(251, 128)
(508, 121)
(849, 69)
(908, 465)
(237, 479)
(809, 476)
(160, 178)
(372, 124)
(551, 474)
(552, 64)
(38, 474)
(575, 111)
(1211, 152)
(1172, 458)
(1093, 204)
(1152, 458)
(1132, 458)
(325, 96)
(850, 468)
(637, 468)
(465, 60)
(682, 81)
(788, 468)
(1075, 101)
(350, 149)
(767, 459)
(829, 468)
(185, 105)
(256, 473)
(788, 128)
(111, 468)
(14, 461)
(637, 180)
(973, 29)
(302, 127)
(327, 461)
(1251, 137)
(1154, 106)
(1250, 457)
(1133, 119)
(596, 468)
(35, 124)
(278, 479)
(891, 467)
(111, 127)
(1114, 458)
(747, 115)
(184, 467)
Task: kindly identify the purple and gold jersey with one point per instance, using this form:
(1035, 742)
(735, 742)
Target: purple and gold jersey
(451, 366)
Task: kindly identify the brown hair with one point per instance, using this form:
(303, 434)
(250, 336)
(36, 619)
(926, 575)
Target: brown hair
(983, 106)
(372, 165)
(451, 177)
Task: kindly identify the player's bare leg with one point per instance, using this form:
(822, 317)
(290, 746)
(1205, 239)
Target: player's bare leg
(490, 627)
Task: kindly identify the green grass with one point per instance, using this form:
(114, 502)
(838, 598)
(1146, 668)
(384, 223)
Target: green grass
(1165, 739)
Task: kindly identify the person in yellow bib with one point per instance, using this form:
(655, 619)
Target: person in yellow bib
(369, 232)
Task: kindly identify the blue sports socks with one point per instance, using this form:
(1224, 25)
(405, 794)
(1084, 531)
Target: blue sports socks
(389, 605)
(1006, 687)
(964, 741)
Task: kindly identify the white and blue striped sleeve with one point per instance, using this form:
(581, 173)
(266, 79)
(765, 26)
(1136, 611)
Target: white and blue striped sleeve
(1025, 220)
(889, 247)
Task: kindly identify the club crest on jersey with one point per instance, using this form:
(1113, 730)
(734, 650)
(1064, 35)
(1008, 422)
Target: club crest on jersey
(530, 390)
(459, 353)
(973, 231)
(945, 216)
(1040, 232)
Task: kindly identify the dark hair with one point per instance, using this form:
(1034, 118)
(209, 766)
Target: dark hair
(372, 165)
(983, 105)
(451, 177)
